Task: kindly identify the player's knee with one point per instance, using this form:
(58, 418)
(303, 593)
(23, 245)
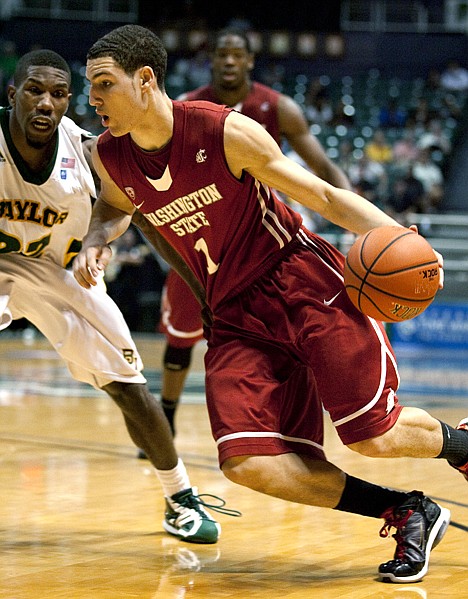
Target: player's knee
(177, 358)
(377, 447)
(129, 397)
(243, 470)
(116, 390)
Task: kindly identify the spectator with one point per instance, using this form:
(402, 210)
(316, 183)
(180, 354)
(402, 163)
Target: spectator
(455, 77)
(435, 139)
(451, 107)
(420, 114)
(406, 195)
(392, 116)
(378, 148)
(405, 151)
(320, 110)
(431, 177)
(346, 158)
(372, 172)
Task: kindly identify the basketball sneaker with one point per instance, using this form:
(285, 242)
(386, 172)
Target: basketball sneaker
(187, 518)
(420, 525)
(462, 426)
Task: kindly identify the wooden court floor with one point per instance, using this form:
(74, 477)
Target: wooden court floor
(80, 516)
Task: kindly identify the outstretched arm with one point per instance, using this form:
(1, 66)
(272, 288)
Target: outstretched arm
(249, 147)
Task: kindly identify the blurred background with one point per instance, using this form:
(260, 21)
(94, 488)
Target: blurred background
(370, 75)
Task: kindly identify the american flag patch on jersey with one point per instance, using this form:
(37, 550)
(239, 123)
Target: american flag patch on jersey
(67, 163)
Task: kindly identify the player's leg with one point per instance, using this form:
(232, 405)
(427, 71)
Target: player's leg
(366, 412)
(266, 418)
(418, 434)
(182, 325)
(74, 321)
(176, 366)
(260, 434)
(420, 523)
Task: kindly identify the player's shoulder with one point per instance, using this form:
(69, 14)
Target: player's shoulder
(260, 89)
(201, 109)
(70, 126)
(203, 92)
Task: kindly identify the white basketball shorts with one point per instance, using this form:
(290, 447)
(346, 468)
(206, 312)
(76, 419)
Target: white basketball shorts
(85, 326)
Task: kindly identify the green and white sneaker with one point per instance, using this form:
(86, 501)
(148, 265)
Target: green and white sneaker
(187, 518)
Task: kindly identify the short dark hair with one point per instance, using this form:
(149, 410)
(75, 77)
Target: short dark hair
(132, 47)
(232, 31)
(39, 58)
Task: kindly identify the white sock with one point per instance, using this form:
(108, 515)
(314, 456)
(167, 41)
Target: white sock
(175, 480)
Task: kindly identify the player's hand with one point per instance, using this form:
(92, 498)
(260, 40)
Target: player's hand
(440, 260)
(90, 264)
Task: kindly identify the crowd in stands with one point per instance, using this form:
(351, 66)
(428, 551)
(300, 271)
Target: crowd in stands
(393, 138)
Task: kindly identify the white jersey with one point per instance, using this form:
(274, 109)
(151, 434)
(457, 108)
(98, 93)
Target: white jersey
(36, 218)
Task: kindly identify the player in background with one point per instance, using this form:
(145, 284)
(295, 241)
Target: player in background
(284, 340)
(232, 62)
(46, 185)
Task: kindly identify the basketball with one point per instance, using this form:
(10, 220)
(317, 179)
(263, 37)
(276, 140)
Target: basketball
(391, 274)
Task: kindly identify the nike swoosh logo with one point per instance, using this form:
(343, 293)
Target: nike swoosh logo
(328, 302)
(140, 205)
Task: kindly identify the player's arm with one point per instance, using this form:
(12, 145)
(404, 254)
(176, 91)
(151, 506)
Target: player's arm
(249, 147)
(88, 144)
(111, 217)
(294, 127)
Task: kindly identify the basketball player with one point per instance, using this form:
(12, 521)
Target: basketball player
(284, 341)
(231, 66)
(46, 186)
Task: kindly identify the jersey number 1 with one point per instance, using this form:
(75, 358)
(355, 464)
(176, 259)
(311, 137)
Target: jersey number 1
(201, 246)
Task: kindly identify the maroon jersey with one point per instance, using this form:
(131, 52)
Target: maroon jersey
(228, 231)
(261, 104)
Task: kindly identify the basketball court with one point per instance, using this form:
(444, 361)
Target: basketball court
(81, 516)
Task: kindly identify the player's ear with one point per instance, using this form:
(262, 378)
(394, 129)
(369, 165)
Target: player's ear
(11, 93)
(146, 77)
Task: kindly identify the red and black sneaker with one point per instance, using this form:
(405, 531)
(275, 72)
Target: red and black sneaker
(420, 525)
(462, 426)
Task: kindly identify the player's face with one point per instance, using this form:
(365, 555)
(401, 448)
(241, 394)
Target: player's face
(231, 63)
(39, 104)
(116, 95)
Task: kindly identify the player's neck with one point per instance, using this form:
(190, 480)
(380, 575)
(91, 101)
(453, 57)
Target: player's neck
(155, 129)
(37, 159)
(232, 97)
